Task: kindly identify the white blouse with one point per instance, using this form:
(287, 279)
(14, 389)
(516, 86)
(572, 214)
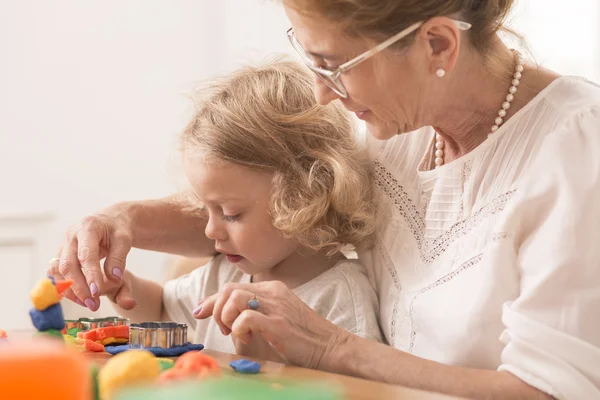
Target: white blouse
(493, 260)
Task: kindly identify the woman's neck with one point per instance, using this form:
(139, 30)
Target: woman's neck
(465, 113)
(299, 268)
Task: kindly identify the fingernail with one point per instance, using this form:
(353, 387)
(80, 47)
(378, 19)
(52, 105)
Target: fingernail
(93, 289)
(90, 303)
(117, 272)
(197, 310)
(81, 303)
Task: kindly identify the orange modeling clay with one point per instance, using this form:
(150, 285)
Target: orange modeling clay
(43, 369)
(193, 364)
(103, 335)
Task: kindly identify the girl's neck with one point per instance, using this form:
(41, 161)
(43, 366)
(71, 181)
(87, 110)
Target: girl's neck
(299, 268)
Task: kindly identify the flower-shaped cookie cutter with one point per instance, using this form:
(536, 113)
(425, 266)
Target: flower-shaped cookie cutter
(86, 324)
(157, 334)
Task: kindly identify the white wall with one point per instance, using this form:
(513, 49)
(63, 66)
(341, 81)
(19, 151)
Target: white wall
(91, 102)
(563, 35)
(90, 106)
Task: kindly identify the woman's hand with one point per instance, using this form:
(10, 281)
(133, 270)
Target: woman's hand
(295, 332)
(257, 347)
(107, 234)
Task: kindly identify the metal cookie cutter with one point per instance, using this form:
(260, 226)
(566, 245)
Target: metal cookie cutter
(86, 324)
(157, 334)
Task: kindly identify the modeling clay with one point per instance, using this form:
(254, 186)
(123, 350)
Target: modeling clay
(244, 366)
(54, 333)
(3, 334)
(71, 341)
(50, 318)
(165, 364)
(46, 293)
(233, 388)
(73, 332)
(61, 286)
(114, 341)
(88, 345)
(100, 334)
(42, 369)
(158, 351)
(192, 365)
(94, 370)
(130, 368)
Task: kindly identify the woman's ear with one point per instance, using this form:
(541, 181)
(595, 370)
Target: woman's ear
(441, 38)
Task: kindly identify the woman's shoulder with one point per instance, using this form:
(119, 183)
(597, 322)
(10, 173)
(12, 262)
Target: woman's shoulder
(571, 97)
(569, 149)
(574, 103)
(567, 110)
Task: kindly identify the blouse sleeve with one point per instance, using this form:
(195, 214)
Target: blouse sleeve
(552, 333)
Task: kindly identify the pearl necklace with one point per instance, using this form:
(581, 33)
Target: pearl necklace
(439, 142)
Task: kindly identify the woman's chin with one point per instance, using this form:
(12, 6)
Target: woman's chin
(380, 131)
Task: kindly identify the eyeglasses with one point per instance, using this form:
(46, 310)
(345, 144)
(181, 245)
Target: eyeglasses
(332, 77)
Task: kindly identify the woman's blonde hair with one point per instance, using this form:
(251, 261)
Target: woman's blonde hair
(375, 18)
(266, 118)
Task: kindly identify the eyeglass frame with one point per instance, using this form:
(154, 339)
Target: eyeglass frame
(334, 75)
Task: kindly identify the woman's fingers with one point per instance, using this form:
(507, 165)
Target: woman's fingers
(251, 323)
(70, 268)
(106, 234)
(114, 265)
(53, 272)
(88, 256)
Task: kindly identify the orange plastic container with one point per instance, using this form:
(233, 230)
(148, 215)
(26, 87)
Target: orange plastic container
(43, 369)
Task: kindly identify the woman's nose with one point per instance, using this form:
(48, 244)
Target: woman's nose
(323, 93)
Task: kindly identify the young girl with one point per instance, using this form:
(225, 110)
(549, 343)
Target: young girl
(286, 188)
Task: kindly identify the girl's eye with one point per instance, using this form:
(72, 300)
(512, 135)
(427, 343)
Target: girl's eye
(230, 218)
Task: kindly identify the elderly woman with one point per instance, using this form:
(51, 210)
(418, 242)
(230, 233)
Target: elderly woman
(488, 169)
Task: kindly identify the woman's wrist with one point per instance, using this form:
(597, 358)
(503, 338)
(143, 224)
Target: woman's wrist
(338, 353)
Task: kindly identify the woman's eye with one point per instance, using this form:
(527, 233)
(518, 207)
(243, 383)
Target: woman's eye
(322, 63)
(230, 218)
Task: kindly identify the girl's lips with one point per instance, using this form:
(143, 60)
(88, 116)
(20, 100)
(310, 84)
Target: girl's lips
(233, 258)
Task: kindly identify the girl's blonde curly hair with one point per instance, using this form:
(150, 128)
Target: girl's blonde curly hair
(266, 118)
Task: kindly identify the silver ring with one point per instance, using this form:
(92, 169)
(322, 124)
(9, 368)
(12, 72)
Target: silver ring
(54, 259)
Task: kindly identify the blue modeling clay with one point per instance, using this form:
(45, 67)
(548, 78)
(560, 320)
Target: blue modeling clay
(244, 366)
(157, 351)
(50, 318)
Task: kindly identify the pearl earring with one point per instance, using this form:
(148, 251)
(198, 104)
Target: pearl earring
(440, 72)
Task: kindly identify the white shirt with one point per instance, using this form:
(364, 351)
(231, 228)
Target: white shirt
(493, 260)
(342, 294)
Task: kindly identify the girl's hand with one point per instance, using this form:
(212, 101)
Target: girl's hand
(121, 293)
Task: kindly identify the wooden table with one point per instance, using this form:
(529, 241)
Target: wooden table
(354, 388)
